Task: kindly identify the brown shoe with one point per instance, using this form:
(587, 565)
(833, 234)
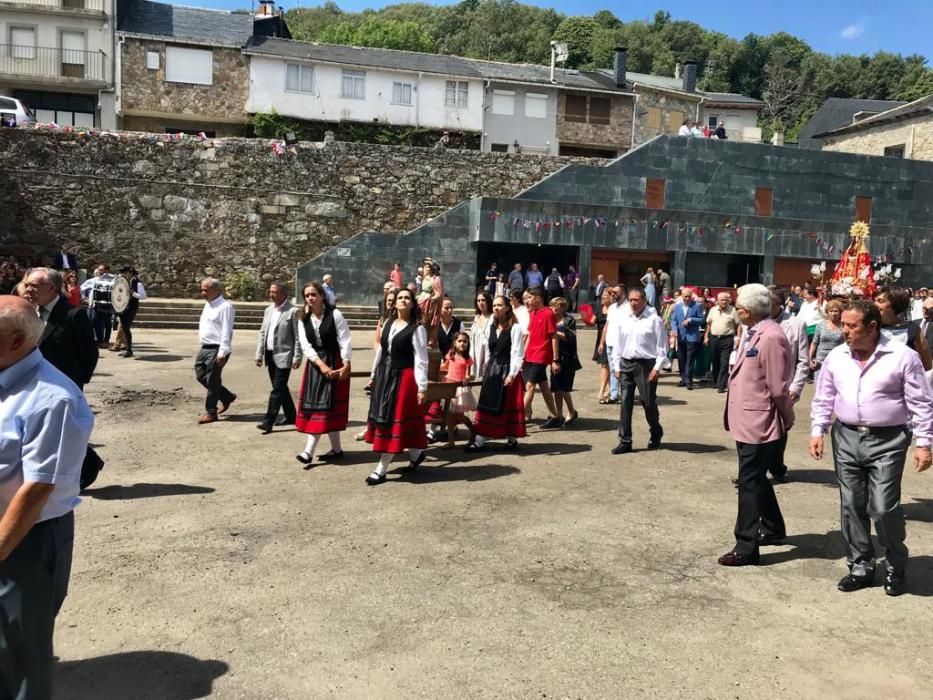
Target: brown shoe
(733, 558)
(224, 406)
(207, 418)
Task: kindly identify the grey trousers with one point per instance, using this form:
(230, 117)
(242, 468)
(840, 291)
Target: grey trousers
(635, 374)
(869, 468)
(209, 376)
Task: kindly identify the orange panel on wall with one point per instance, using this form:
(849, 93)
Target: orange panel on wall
(790, 271)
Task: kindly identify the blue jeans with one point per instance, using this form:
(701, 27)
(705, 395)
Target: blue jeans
(613, 380)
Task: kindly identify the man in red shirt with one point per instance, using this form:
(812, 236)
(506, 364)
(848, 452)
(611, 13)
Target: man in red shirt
(541, 350)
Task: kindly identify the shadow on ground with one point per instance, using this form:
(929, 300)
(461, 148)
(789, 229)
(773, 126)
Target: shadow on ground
(919, 510)
(806, 546)
(824, 477)
(118, 492)
(142, 675)
(159, 358)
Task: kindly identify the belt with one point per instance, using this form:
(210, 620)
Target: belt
(210, 347)
(873, 429)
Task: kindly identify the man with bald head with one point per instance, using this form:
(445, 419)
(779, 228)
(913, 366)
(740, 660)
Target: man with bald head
(723, 328)
(46, 427)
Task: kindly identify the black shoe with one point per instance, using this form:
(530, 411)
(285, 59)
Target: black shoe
(511, 444)
(285, 421)
(552, 422)
(128, 353)
(622, 448)
(720, 391)
(770, 540)
(415, 463)
(303, 457)
(850, 583)
(690, 388)
(681, 383)
(655, 442)
(780, 478)
(733, 558)
(375, 478)
(330, 454)
(265, 428)
(571, 419)
(895, 582)
(473, 447)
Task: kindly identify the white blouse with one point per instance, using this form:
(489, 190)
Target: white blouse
(343, 337)
(517, 357)
(479, 350)
(419, 341)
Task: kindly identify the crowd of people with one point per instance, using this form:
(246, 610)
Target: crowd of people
(433, 374)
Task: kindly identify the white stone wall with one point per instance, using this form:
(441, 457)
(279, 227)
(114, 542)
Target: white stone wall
(916, 135)
(741, 124)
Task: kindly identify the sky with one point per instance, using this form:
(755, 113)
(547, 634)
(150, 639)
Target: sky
(830, 26)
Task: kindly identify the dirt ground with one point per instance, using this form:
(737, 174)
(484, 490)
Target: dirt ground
(208, 562)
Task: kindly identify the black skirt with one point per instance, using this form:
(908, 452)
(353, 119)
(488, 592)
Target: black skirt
(492, 394)
(385, 390)
(318, 394)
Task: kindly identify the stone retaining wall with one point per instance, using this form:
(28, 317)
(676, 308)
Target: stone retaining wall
(182, 210)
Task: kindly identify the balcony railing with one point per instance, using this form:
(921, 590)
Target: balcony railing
(90, 5)
(43, 62)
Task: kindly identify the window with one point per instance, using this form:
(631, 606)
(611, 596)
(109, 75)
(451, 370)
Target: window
(23, 40)
(299, 78)
(535, 106)
(712, 121)
(653, 118)
(353, 85)
(763, 200)
(152, 60)
(456, 93)
(675, 118)
(575, 108)
(499, 148)
(600, 108)
(863, 209)
(401, 93)
(503, 102)
(654, 193)
(193, 66)
(74, 45)
(894, 151)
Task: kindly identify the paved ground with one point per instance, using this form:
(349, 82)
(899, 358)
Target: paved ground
(207, 562)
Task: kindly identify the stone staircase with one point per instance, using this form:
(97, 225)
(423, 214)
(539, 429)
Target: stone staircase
(183, 314)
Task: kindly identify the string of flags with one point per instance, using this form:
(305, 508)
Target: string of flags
(571, 222)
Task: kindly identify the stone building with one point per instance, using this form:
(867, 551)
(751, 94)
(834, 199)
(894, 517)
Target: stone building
(181, 69)
(902, 132)
(837, 112)
(714, 213)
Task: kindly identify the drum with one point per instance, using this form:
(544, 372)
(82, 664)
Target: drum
(100, 293)
(120, 294)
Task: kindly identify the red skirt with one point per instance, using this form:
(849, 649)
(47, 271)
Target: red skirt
(406, 431)
(321, 422)
(511, 422)
(434, 413)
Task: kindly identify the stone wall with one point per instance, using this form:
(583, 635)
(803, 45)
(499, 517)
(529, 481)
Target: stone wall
(617, 135)
(146, 93)
(915, 135)
(182, 210)
(666, 103)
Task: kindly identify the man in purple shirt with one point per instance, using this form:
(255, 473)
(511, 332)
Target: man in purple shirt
(876, 389)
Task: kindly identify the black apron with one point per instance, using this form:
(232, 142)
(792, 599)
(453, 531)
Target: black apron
(318, 394)
(386, 380)
(492, 394)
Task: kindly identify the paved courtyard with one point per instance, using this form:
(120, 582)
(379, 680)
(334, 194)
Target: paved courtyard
(208, 562)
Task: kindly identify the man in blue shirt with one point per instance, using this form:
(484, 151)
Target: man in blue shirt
(46, 426)
(534, 277)
(328, 283)
(687, 320)
(516, 280)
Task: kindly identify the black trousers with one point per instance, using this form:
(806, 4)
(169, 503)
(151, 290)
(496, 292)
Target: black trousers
(686, 355)
(209, 376)
(635, 374)
(126, 323)
(279, 397)
(778, 468)
(102, 322)
(758, 507)
(33, 586)
(720, 347)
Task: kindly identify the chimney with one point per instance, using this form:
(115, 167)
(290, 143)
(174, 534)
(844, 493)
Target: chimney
(618, 66)
(266, 8)
(690, 76)
(678, 70)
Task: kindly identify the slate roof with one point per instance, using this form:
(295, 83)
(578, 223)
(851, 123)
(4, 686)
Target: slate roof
(184, 23)
(835, 113)
(439, 64)
(664, 82)
(917, 108)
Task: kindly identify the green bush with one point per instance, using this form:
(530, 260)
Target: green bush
(241, 286)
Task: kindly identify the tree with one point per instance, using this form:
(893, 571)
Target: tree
(578, 33)
(381, 33)
(783, 90)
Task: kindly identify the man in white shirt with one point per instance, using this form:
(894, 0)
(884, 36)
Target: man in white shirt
(617, 311)
(638, 353)
(215, 334)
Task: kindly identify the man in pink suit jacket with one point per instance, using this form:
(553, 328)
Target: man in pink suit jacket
(759, 412)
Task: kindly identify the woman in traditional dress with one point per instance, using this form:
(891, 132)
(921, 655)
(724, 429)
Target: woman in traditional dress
(500, 411)
(430, 298)
(483, 317)
(388, 311)
(324, 400)
(400, 382)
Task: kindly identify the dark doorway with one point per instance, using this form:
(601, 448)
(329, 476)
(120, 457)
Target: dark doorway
(742, 269)
(505, 255)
